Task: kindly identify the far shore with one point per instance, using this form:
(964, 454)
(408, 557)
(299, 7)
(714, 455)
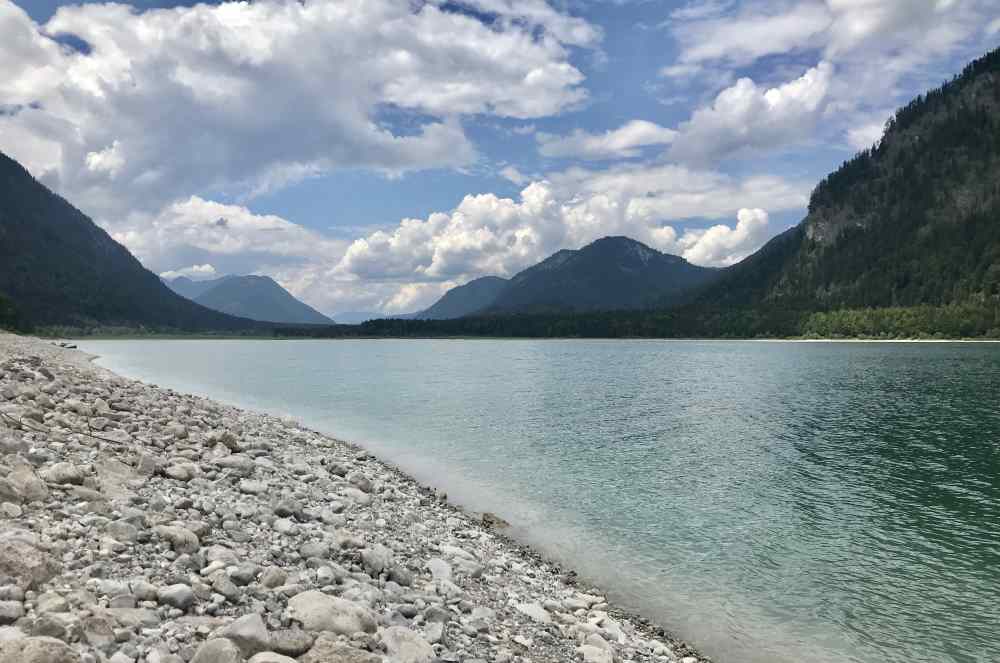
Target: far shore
(236, 337)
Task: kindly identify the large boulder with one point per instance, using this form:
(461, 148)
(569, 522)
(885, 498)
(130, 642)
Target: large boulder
(218, 650)
(63, 473)
(317, 611)
(249, 633)
(23, 561)
(37, 650)
(406, 646)
(22, 484)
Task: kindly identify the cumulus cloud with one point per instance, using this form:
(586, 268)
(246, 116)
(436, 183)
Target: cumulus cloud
(878, 54)
(623, 142)
(487, 234)
(202, 227)
(722, 245)
(223, 98)
(746, 115)
(194, 272)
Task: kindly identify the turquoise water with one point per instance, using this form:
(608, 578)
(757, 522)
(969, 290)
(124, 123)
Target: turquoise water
(777, 502)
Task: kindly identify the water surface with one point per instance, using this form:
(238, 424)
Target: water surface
(771, 502)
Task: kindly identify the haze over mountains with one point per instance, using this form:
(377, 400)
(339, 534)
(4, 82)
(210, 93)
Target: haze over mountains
(254, 297)
(909, 228)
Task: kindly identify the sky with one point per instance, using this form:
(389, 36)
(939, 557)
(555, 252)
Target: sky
(371, 154)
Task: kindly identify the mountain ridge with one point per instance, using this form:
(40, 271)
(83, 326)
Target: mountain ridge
(250, 296)
(57, 267)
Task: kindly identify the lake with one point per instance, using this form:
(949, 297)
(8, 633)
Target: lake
(768, 501)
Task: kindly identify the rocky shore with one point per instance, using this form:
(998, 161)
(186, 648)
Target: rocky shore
(141, 524)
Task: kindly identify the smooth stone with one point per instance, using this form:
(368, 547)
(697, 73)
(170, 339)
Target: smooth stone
(376, 559)
(406, 646)
(179, 596)
(37, 650)
(252, 487)
(10, 612)
(270, 657)
(440, 569)
(218, 650)
(317, 611)
(535, 612)
(249, 633)
(328, 650)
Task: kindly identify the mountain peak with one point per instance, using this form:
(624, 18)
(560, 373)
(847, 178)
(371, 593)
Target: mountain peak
(254, 296)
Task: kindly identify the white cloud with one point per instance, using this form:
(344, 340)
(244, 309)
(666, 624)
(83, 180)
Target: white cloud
(217, 229)
(513, 174)
(868, 132)
(841, 29)
(747, 116)
(882, 52)
(194, 272)
(723, 245)
(624, 142)
(750, 34)
(223, 98)
(109, 160)
(487, 234)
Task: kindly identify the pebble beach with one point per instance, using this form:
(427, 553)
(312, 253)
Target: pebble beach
(138, 524)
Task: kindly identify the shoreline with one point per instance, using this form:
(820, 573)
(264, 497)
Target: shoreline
(790, 339)
(400, 559)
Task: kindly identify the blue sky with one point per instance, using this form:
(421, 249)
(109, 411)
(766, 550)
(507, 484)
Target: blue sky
(370, 155)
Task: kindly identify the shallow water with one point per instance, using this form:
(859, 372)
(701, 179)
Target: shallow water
(777, 502)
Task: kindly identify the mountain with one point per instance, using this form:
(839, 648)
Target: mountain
(463, 300)
(254, 297)
(612, 273)
(189, 288)
(58, 267)
(913, 221)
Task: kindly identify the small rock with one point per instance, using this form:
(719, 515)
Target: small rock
(178, 596)
(181, 539)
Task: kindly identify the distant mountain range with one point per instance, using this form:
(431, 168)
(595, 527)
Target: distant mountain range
(902, 239)
(254, 297)
(473, 297)
(613, 273)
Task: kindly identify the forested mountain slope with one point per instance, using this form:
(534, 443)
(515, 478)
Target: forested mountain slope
(915, 220)
(59, 268)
